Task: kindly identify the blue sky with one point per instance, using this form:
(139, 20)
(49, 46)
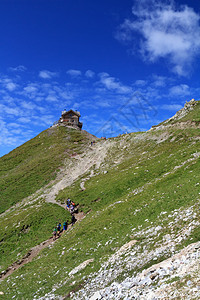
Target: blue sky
(125, 65)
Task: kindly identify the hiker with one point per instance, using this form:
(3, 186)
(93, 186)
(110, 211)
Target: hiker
(54, 233)
(71, 209)
(65, 224)
(59, 229)
(68, 204)
(91, 143)
(73, 220)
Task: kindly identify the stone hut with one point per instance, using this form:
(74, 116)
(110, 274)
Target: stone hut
(71, 118)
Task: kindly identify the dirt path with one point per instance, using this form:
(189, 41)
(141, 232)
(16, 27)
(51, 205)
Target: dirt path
(81, 165)
(33, 252)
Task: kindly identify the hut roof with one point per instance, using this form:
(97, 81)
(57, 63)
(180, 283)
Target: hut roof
(71, 111)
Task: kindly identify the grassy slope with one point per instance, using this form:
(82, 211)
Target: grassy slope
(22, 172)
(193, 115)
(116, 209)
(32, 165)
(21, 231)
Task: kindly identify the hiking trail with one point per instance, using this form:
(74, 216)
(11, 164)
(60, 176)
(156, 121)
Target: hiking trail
(80, 165)
(33, 252)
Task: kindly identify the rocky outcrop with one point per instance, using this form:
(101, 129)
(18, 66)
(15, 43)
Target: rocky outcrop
(175, 277)
(184, 111)
(166, 280)
(189, 106)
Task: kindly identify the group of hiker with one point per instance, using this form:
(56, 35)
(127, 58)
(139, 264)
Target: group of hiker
(70, 205)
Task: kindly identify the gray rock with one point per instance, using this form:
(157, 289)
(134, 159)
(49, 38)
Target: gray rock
(96, 296)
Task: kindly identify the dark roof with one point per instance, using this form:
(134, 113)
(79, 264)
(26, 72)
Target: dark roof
(71, 110)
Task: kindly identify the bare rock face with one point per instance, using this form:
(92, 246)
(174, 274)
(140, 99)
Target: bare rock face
(184, 111)
(189, 106)
(81, 266)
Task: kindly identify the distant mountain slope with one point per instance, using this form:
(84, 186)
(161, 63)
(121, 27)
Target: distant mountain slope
(140, 194)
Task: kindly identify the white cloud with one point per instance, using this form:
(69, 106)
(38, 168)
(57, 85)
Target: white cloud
(13, 125)
(64, 92)
(74, 73)
(87, 104)
(45, 74)
(24, 120)
(11, 86)
(6, 137)
(4, 110)
(43, 120)
(51, 98)
(167, 32)
(159, 81)
(39, 99)
(113, 84)
(89, 74)
(31, 88)
(28, 105)
(8, 84)
(140, 82)
(18, 68)
(103, 103)
(17, 131)
(180, 90)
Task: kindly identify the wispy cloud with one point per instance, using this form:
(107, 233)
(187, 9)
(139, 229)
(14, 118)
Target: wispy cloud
(166, 31)
(180, 90)
(74, 73)
(8, 83)
(113, 84)
(24, 120)
(9, 110)
(140, 82)
(31, 88)
(160, 81)
(19, 68)
(11, 86)
(45, 74)
(89, 74)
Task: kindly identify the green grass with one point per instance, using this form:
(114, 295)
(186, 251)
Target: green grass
(27, 227)
(31, 166)
(194, 115)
